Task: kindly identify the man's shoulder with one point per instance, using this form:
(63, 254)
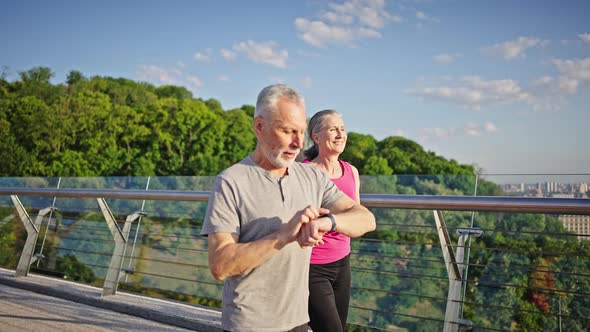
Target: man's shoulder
(306, 170)
(237, 168)
(303, 168)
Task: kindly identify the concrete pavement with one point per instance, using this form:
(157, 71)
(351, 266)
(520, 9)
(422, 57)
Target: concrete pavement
(84, 309)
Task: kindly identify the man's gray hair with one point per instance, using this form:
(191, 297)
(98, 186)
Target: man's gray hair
(269, 97)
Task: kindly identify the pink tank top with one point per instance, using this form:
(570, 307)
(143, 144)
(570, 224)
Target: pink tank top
(336, 246)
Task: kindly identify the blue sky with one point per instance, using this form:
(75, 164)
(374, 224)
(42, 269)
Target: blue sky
(500, 84)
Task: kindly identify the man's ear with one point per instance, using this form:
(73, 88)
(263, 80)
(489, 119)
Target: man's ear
(258, 125)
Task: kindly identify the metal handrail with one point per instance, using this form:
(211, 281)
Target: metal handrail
(551, 205)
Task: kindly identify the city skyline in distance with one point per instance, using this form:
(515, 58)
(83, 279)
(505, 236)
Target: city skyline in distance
(504, 179)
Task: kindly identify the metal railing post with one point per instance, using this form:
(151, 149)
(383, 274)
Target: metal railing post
(111, 281)
(454, 264)
(126, 230)
(26, 257)
(129, 270)
(40, 254)
(466, 269)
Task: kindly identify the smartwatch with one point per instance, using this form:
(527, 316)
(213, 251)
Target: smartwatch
(331, 217)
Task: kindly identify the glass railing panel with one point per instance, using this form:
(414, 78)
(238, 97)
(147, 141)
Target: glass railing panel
(165, 250)
(118, 206)
(169, 253)
(31, 182)
(398, 274)
(12, 231)
(75, 239)
(452, 185)
(530, 270)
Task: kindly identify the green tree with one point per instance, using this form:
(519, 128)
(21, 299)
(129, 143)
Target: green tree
(75, 77)
(359, 148)
(377, 165)
(171, 91)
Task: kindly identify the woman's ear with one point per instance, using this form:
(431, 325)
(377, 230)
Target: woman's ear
(315, 138)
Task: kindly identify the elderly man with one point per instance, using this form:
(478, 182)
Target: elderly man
(265, 213)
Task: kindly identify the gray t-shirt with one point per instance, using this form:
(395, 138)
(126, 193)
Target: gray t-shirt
(251, 202)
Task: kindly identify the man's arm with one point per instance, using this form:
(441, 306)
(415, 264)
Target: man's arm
(352, 219)
(228, 257)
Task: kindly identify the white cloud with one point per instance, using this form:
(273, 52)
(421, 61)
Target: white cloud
(399, 132)
(469, 129)
(228, 55)
(426, 134)
(263, 52)
(194, 83)
(548, 93)
(473, 92)
(577, 69)
(203, 57)
(224, 78)
(543, 81)
(474, 129)
(423, 17)
(545, 93)
(318, 33)
(512, 49)
(370, 13)
(585, 37)
(169, 76)
(368, 33)
(338, 18)
(158, 75)
(444, 58)
(573, 73)
(489, 127)
(345, 23)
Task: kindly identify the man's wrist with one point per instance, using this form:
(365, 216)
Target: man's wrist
(332, 219)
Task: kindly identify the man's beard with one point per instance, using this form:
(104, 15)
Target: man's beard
(275, 158)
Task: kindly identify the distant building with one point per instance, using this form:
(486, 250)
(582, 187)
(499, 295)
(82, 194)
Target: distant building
(550, 187)
(583, 188)
(577, 224)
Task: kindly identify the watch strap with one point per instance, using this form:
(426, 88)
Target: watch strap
(332, 219)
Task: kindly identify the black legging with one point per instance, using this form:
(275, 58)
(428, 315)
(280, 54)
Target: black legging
(329, 295)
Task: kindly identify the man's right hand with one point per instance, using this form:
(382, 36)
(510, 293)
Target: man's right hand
(290, 231)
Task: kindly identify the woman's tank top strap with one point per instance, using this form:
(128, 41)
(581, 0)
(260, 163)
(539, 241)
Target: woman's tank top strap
(347, 182)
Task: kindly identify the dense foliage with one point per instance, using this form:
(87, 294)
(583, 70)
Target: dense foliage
(526, 272)
(103, 126)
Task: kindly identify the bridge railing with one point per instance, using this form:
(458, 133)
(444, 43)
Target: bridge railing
(436, 262)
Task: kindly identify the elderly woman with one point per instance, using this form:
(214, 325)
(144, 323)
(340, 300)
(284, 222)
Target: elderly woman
(329, 274)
